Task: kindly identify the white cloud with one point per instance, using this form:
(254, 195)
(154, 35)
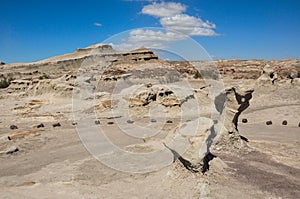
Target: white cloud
(141, 35)
(148, 38)
(97, 24)
(163, 9)
(188, 25)
(176, 26)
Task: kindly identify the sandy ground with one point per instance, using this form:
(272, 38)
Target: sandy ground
(55, 164)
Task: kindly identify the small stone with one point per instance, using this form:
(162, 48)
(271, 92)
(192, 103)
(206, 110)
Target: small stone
(269, 122)
(169, 121)
(299, 124)
(130, 121)
(148, 85)
(153, 120)
(12, 127)
(74, 123)
(284, 122)
(41, 125)
(110, 123)
(12, 150)
(56, 125)
(244, 120)
(97, 122)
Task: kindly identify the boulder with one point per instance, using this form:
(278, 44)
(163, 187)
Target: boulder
(268, 76)
(230, 104)
(200, 141)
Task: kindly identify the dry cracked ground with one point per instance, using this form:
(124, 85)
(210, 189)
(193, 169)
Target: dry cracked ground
(42, 155)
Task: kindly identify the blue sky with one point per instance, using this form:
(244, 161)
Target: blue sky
(228, 29)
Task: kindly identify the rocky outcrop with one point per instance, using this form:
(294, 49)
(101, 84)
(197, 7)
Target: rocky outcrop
(19, 85)
(103, 101)
(240, 69)
(159, 95)
(230, 104)
(57, 65)
(268, 76)
(97, 48)
(251, 69)
(224, 133)
(199, 143)
(62, 86)
(142, 54)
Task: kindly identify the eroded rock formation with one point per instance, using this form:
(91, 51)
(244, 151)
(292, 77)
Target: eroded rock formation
(158, 95)
(230, 104)
(268, 75)
(235, 102)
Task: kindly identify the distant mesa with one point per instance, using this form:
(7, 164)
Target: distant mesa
(2, 63)
(105, 51)
(97, 48)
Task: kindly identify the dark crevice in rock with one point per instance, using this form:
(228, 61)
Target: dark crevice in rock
(244, 138)
(244, 102)
(206, 161)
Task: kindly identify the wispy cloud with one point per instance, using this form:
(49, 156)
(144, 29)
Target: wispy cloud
(97, 24)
